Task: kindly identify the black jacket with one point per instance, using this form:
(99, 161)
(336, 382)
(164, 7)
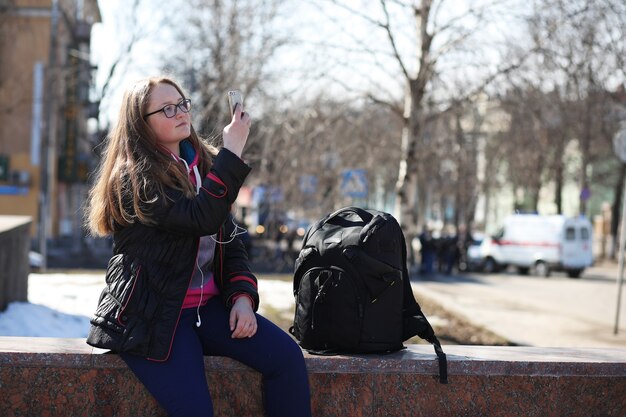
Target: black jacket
(152, 265)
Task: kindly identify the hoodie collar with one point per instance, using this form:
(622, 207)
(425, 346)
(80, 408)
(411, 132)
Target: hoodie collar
(189, 156)
(188, 153)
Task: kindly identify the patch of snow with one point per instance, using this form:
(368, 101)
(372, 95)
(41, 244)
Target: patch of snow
(60, 305)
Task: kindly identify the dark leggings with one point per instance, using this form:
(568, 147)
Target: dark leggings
(180, 386)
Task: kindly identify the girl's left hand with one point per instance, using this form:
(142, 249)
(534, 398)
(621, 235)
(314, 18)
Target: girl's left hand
(242, 319)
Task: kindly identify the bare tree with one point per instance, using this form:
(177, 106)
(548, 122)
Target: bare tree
(231, 44)
(580, 47)
(527, 144)
(221, 45)
(317, 142)
(429, 77)
(127, 21)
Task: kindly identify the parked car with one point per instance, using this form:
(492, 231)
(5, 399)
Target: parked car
(474, 259)
(35, 260)
(540, 243)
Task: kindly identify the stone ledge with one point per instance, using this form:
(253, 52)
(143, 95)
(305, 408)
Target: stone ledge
(416, 359)
(8, 222)
(14, 267)
(68, 377)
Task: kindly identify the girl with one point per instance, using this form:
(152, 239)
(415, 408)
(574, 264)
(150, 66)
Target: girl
(178, 285)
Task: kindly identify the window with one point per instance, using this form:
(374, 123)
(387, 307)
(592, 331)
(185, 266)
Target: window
(584, 233)
(570, 233)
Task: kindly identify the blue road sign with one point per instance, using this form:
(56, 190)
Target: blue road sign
(308, 184)
(354, 183)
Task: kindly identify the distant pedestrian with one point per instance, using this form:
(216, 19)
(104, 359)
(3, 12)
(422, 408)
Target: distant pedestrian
(179, 285)
(446, 253)
(464, 240)
(428, 251)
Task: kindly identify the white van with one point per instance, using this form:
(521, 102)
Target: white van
(541, 243)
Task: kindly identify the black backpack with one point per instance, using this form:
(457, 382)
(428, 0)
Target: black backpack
(352, 288)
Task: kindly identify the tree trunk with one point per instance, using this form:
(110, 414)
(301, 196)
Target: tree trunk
(585, 146)
(407, 188)
(559, 173)
(559, 164)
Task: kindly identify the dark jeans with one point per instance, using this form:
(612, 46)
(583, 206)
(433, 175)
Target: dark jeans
(180, 386)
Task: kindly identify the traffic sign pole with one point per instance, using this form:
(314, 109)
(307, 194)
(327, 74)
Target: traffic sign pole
(620, 279)
(619, 146)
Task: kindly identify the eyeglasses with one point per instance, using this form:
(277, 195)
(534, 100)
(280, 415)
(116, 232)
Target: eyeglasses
(171, 109)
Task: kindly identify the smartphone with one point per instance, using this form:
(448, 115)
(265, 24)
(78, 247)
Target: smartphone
(234, 98)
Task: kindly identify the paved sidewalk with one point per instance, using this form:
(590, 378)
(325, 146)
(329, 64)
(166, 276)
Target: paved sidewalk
(533, 311)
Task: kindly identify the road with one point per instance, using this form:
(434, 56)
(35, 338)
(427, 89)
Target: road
(533, 311)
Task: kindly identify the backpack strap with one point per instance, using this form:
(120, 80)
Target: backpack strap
(365, 215)
(362, 213)
(416, 323)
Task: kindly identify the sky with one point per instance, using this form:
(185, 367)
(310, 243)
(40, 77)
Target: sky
(326, 49)
(305, 26)
(60, 305)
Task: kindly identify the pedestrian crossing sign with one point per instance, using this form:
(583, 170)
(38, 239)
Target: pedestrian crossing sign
(308, 184)
(354, 183)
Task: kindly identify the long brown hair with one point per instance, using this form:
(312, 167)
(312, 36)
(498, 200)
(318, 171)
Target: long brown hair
(135, 170)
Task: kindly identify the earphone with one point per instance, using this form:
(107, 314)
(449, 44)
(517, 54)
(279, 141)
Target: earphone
(199, 322)
(237, 231)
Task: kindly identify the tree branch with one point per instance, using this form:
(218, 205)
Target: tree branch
(387, 27)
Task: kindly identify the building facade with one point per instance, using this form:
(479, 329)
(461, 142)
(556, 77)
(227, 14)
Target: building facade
(45, 79)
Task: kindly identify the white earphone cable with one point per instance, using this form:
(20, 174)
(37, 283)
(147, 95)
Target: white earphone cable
(237, 231)
(199, 322)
